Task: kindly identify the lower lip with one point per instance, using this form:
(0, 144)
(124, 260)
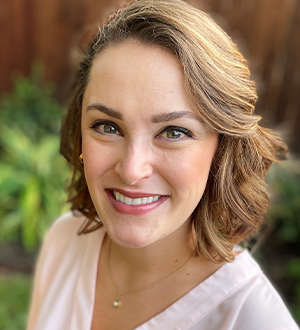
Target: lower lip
(134, 209)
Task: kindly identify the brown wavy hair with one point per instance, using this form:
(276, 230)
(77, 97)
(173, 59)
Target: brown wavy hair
(218, 81)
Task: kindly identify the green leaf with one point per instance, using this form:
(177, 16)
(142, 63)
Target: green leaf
(293, 269)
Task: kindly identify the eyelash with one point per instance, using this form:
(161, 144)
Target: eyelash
(183, 130)
(105, 122)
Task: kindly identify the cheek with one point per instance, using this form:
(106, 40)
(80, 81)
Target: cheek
(189, 171)
(98, 159)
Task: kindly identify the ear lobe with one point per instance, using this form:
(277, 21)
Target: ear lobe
(81, 159)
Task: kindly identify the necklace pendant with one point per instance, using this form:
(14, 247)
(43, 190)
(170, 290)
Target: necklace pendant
(117, 303)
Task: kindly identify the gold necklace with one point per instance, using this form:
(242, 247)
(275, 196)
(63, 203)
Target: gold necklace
(117, 301)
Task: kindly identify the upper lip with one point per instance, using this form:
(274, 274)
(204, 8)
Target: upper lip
(134, 194)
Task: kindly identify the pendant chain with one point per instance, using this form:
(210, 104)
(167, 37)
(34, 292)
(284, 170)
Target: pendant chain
(117, 301)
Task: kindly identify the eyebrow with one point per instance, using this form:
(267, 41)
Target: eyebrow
(107, 110)
(168, 116)
(162, 117)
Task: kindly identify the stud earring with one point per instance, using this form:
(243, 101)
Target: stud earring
(81, 159)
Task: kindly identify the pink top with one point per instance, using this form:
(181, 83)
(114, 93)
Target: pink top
(236, 297)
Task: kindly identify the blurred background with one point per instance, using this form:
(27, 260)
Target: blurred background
(41, 42)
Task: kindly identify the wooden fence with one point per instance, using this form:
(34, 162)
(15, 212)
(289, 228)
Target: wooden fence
(267, 32)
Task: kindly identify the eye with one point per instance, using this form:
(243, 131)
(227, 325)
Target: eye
(106, 127)
(176, 133)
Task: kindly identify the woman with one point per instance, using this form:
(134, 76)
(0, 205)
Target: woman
(169, 166)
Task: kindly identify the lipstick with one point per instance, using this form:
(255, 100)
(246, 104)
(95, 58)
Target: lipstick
(134, 203)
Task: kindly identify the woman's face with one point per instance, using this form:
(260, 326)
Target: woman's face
(146, 153)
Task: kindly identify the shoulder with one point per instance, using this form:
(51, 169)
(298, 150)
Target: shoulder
(69, 221)
(63, 250)
(61, 265)
(62, 233)
(63, 242)
(256, 302)
(60, 243)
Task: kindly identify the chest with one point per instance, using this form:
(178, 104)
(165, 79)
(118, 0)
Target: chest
(139, 307)
(136, 309)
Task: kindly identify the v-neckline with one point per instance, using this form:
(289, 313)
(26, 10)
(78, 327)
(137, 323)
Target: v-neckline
(187, 310)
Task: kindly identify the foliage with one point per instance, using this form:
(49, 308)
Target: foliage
(32, 173)
(292, 271)
(283, 247)
(31, 106)
(284, 180)
(32, 179)
(14, 302)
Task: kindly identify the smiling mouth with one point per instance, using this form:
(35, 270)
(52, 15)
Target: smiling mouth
(135, 201)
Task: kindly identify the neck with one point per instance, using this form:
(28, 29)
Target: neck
(134, 268)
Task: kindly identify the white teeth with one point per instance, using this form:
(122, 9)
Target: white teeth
(121, 198)
(150, 199)
(135, 201)
(127, 200)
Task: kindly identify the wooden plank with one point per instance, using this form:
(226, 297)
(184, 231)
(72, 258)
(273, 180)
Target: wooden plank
(267, 32)
(5, 49)
(15, 40)
(288, 107)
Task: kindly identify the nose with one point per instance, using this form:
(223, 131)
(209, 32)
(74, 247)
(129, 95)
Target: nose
(135, 163)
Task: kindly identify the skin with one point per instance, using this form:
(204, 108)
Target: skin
(134, 99)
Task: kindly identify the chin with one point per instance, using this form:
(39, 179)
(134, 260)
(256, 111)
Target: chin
(132, 239)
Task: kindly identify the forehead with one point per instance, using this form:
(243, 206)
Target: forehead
(131, 73)
(134, 62)
(141, 54)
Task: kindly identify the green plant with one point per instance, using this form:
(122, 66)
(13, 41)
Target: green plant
(32, 174)
(14, 303)
(31, 106)
(32, 180)
(292, 271)
(281, 253)
(284, 210)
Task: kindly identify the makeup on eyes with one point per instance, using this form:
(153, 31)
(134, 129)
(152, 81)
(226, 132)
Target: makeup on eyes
(176, 131)
(106, 123)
